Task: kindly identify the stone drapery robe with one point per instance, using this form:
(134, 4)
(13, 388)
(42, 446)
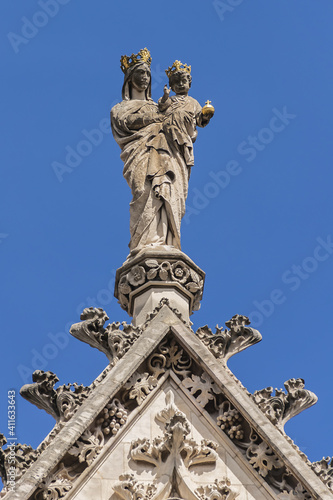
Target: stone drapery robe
(182, 115)
(155, 171)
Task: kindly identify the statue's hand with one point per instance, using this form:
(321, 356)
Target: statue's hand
(166, 91)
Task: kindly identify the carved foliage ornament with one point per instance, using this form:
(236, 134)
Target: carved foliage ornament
(171, 455)
(202, 388)
(15, 460)
(160, 270)
(113, 341)
(283, 406)
(128, 488)
(259, 454)
(225, 343)
(324, 469)
(61, 403)
(83, 452)
(55, 486)
(219, 490)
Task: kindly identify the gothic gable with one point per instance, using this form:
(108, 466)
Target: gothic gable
(218, 439)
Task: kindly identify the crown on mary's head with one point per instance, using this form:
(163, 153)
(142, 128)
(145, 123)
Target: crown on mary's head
(177, 66)
(143, 56)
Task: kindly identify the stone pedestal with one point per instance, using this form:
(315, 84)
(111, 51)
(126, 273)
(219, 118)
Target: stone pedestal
(156, 273)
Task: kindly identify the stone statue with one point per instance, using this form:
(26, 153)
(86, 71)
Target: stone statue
(182, 112)
(156, 142)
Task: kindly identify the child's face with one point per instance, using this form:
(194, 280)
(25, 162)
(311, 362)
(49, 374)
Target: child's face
(180, 84)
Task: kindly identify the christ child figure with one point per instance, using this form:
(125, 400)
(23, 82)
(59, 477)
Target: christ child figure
(182, 113)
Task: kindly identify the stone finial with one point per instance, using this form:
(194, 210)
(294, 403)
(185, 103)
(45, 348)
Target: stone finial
(60, 403)
(112, 341)
(225, 343)
(283, 406)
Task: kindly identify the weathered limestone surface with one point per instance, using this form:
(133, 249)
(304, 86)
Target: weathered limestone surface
(171, 437)
(157, 149)
(251, 451)
(156, 273)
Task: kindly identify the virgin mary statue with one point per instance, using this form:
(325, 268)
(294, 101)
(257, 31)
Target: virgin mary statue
(155, 171)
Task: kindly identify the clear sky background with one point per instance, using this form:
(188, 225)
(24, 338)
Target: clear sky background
(260, 226)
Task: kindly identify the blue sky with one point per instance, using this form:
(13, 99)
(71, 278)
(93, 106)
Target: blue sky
(260, 205)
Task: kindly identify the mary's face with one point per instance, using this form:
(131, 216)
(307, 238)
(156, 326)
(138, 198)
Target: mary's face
(141, 77)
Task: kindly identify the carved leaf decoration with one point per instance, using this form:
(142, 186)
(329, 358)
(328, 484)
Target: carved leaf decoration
(195, 277)
(143, 450)
(55, 486)
(124, 287)
(140, 385)
(151, 274)
(128, 488)
(282, 407)
(299, 493)
(56, 490)
(202, 385)
(123, 301)
(220, 490)
(88, 446)
(224, 343)
(324, 469)
(192, 287)
(163, 274)
(151, 263)
(41, 393)
(199, 454)
(262, 457)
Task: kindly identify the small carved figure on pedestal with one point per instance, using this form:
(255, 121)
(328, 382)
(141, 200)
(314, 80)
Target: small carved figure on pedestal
(182, 113)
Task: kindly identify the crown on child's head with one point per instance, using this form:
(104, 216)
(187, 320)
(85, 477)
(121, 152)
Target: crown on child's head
(177, 66)
(143, 56)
